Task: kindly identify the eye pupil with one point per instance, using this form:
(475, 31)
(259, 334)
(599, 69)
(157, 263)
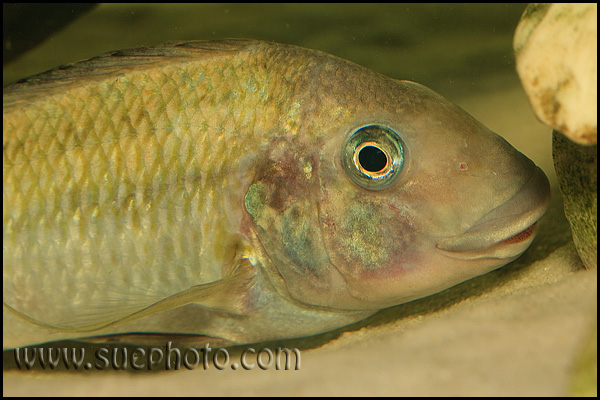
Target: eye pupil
(372, 159)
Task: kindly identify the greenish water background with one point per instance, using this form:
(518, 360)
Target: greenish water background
(453, 48)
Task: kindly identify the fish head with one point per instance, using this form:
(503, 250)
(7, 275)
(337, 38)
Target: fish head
(404, 196)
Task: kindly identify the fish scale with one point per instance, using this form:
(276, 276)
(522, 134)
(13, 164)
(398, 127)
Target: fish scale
(145, 156)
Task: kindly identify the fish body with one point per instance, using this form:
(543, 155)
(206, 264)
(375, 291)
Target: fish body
(245, 191)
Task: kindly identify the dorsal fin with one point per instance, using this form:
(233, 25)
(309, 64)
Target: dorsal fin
(115, 64)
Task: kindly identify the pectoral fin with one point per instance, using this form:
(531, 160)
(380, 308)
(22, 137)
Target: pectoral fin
(231, 294)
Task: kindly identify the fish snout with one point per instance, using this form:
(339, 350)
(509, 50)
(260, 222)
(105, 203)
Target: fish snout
(507, 230)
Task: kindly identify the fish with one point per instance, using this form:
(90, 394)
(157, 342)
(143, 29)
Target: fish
(243, 191)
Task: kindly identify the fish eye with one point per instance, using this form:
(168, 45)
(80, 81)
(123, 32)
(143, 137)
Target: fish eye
(373, 156)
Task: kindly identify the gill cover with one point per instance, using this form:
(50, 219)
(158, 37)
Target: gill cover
(323, 232)
(283, 206)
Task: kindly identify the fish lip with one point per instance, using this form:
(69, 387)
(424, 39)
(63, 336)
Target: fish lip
(507, 230)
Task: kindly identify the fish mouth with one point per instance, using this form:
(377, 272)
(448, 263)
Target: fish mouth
(507, 230)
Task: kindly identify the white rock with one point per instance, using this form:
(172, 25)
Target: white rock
(556, 53)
